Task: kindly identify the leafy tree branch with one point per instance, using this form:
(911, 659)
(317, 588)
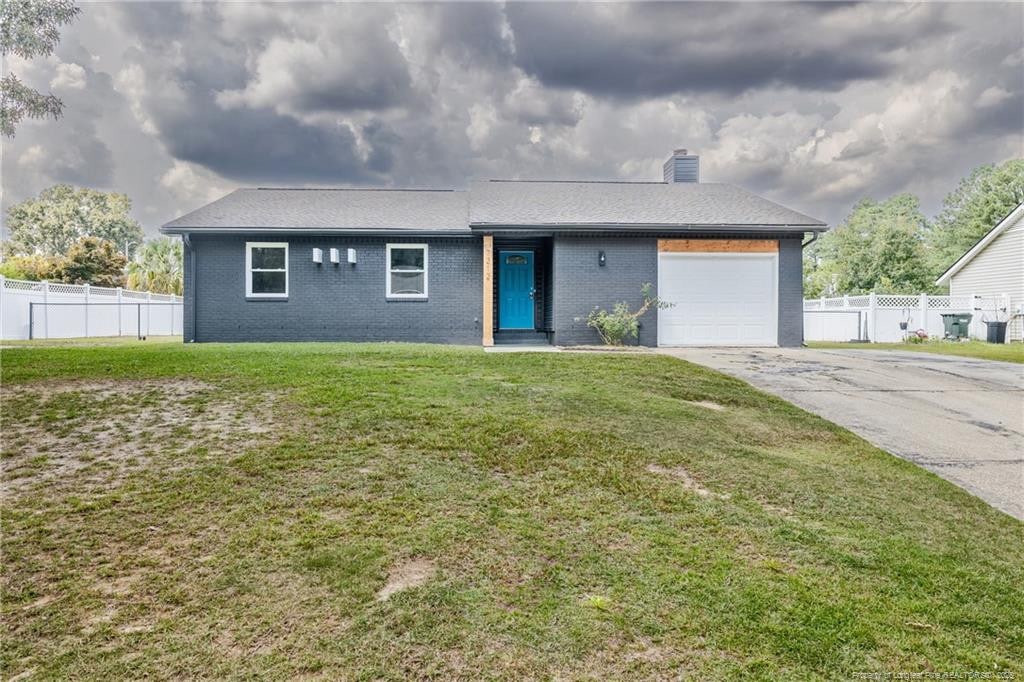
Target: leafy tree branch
(28, 29)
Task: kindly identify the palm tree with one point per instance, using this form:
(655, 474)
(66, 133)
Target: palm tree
(158, 267)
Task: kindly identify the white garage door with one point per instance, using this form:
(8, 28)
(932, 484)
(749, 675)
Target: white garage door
(721, 299)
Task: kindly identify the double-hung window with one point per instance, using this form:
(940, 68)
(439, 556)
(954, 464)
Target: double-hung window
(407, 271)
(266, 269)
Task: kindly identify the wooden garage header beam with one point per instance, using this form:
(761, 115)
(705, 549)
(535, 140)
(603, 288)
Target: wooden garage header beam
(718, 245)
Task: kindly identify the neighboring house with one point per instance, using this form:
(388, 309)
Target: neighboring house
(992, 267)
(501, 262)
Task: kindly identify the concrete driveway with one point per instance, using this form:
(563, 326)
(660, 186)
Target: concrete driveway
(958, 417)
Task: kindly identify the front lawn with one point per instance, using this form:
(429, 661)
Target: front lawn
(395, 512)
(1006, 352)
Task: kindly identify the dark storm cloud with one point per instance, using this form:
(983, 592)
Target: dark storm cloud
(646, 50)
(384, 141)
(471, 33)
(816, 105)
(76, 153)
(245, 143)
(1005, 116)
(154, 22)
(257, 145)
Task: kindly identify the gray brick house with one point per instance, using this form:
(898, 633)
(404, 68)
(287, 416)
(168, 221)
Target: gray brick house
(500, 262)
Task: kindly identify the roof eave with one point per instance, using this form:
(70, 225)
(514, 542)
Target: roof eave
(361, 232)
(661, 227)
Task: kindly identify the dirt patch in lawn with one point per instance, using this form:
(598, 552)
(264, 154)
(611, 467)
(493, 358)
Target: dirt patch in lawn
(705, 403)
(100, 431)
(683, 476)
(407, 575)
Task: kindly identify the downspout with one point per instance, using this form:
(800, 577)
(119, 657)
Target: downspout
(186, 238)
(804, 245)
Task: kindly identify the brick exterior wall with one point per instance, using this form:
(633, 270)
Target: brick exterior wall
(791, 292)
(336, 303)
(580, 283)
(346, 303)
(189, 291)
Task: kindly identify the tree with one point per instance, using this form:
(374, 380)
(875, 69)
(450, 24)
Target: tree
(29, 28)
(878, 247)
(93, 261)
(158, 267)
(978, 203)
(62, 214)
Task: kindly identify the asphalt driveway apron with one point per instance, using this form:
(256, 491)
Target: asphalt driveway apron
(961, 418)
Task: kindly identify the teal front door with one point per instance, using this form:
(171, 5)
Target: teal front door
(515, 289)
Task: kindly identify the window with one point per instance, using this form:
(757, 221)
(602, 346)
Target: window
(407, 271)
(266, 269)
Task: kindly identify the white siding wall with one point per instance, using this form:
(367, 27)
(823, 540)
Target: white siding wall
(998, 269)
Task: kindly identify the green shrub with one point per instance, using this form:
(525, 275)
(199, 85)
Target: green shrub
(34, 268)
(621, 323)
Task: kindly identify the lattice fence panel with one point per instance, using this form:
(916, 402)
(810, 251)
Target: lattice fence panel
(884, 301)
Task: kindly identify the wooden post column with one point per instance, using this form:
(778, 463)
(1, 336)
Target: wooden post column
(487, 323)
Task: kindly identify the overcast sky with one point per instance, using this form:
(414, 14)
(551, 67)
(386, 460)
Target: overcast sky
(812, 105)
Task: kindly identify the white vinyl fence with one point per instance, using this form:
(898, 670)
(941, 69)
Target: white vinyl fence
(877, 317)
(45, 310)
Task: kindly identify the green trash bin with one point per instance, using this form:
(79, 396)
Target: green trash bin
(956, 325)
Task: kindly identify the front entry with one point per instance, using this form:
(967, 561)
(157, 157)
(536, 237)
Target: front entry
(515, 290)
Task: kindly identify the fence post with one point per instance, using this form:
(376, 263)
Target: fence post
(46, 309)
(846, 300)
(3, 286)
(872, 321)
(924, 313)
(976, 322)
(86, 311)
(149, 310)
(119, 306)
(1005, 299)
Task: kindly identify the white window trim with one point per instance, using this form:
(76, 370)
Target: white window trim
(249, 246)
(387, 271)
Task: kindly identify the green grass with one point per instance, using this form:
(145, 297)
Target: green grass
(523, 478)
(91, 341)
(1005, 352)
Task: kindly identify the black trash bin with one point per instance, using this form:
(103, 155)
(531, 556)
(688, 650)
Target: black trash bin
(996, 331)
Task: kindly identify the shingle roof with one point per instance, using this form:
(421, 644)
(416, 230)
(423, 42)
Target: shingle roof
(356, 209)
(497, 203)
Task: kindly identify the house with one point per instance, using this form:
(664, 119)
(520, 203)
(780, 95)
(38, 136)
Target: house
(993, 267)
(501, 262)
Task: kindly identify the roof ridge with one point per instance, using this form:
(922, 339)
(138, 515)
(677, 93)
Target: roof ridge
(582, 182)
(353, 189)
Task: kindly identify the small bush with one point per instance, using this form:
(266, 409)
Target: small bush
(34, 268)
(621, 323)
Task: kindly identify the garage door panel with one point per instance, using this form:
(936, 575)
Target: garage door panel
(720, 299)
